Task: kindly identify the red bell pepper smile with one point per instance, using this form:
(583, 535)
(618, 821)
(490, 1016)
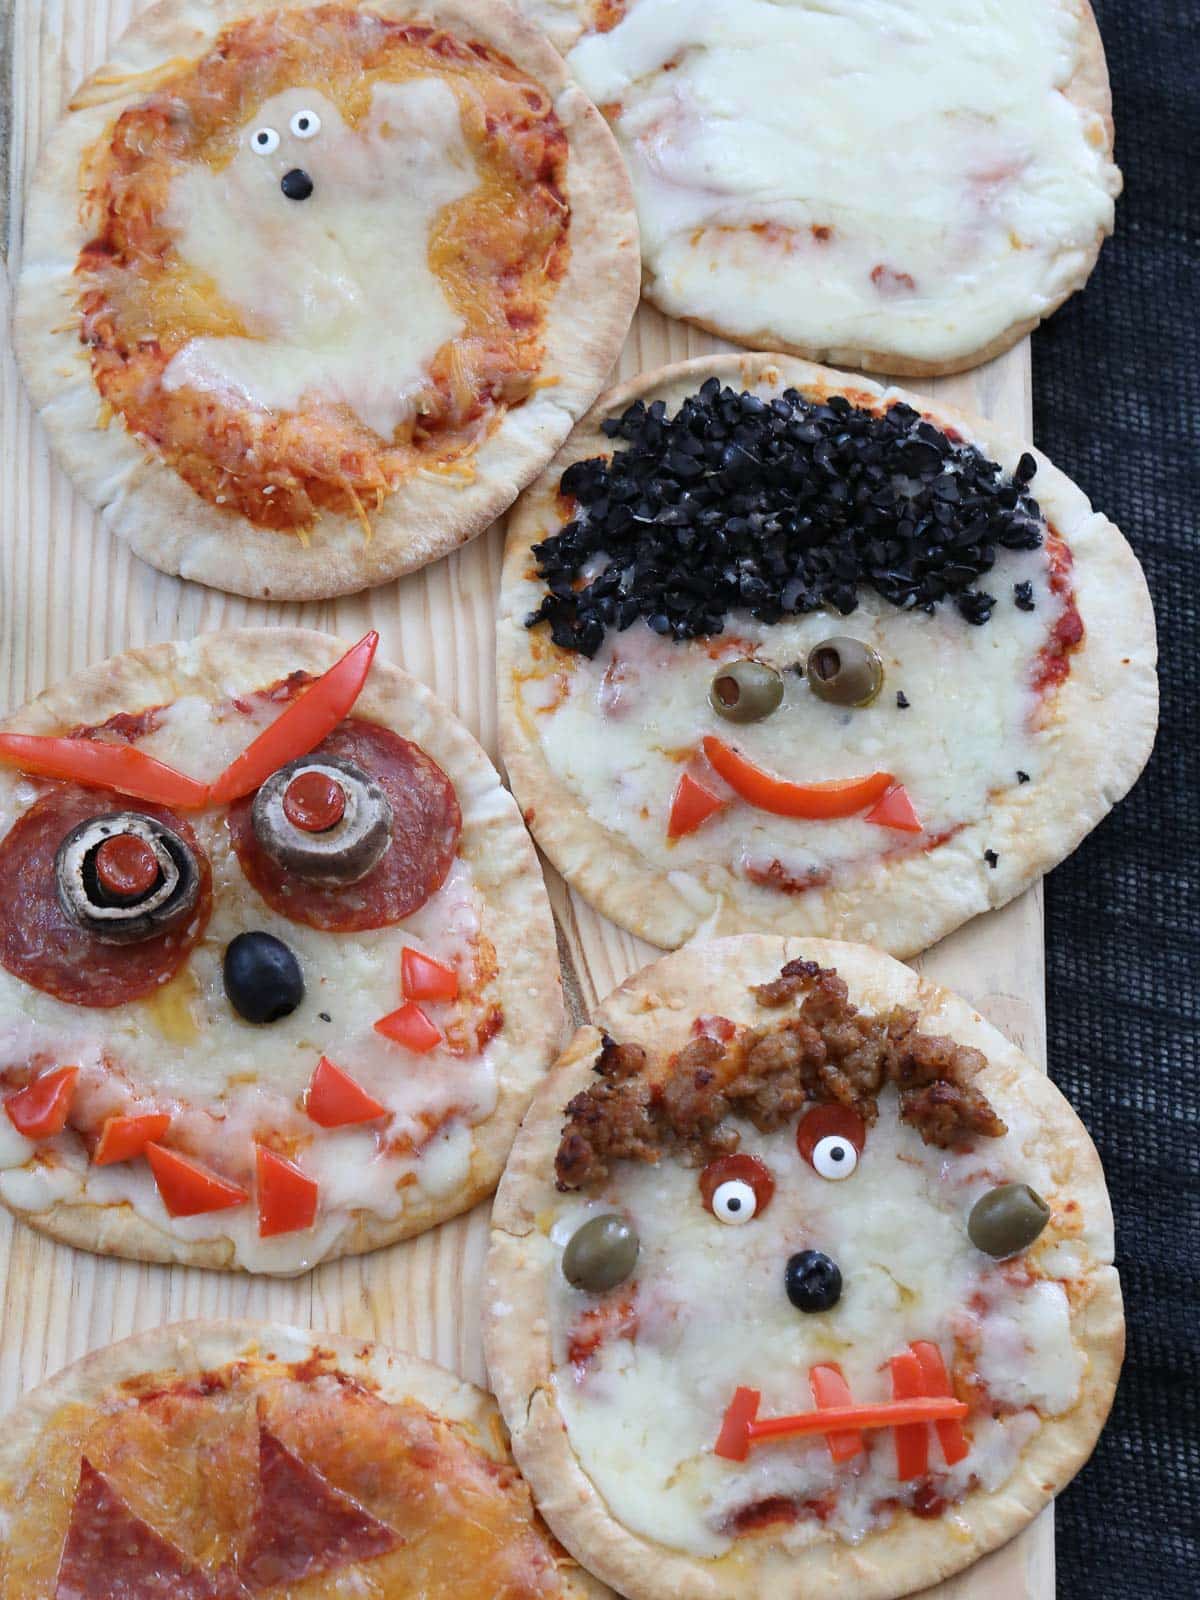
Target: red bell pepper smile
(840, 797)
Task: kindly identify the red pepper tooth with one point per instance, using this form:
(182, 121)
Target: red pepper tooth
(829, 1388)
(41, 1108)
(736, 1435)
(954, 1442)
(912, 1439)
(691, 806)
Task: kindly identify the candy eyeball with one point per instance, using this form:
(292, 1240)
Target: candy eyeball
(305, 124)
(264, 141)
(834, 1157)
(734, 1202)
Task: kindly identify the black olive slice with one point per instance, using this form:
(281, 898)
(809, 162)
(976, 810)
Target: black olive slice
(124, 877)
(323, 819)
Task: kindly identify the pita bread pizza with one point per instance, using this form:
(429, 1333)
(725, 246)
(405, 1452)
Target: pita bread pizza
(277, 968)
(310, 291)
(781, 650)
(226, 1461)
(800, 1281)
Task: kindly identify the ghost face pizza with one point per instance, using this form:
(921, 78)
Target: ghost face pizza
(277, 970)
(226, 1461)
(909, 188)
(784, 651)
(310, 291)
(800, 1283)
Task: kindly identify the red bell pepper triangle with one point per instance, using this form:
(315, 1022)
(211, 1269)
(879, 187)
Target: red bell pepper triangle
(41, 1108)
(287, 1197)
(423, 978)
(303, 1525)
(110, 1551)
(735, 1437)
(691, 806)
(896, 810)
(123, 1138)
(410, 1027)
(334, 1100)
(188, 1189)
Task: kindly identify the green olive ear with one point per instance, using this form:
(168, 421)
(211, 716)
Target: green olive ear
(601, 1254)
(1007, 1219)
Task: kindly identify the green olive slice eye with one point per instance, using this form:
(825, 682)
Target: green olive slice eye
(1007, 1219)
(601, 1254)
(746, 690)
(844, 671)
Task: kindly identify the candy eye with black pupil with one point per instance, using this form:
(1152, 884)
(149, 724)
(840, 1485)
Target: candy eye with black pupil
(834, 1157)
(844, 671)
(734, 1202)
(305, 124)
(736, 1188)
(264, 141)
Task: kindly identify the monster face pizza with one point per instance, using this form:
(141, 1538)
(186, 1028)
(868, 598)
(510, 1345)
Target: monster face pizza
(277, 970)
(801, 1281)
(311, 290)
(785, 651)
(231, 1461)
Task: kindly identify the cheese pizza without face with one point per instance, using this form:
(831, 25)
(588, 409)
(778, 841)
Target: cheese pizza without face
(785, 651)
(906, 185)
(221, 1461)
(311, 290)
(277, 974)
(801, 1281)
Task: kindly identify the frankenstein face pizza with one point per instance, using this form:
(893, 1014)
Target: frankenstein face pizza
(909, 187)
(800, 1283)
(784, 651)
(226, 1461)
(277, 970)
(310, 291)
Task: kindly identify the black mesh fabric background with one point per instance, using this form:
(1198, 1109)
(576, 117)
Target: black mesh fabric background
(1116, 398)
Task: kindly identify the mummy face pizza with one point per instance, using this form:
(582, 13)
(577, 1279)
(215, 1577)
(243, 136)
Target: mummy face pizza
(277, 975)
(782, 651)
(328, 265)
(227, 1460)
(800, 1280)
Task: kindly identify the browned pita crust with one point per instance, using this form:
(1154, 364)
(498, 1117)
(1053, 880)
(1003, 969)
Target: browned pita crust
(148, 504)
(656, 1008)
(494, 843)
(1102, 724)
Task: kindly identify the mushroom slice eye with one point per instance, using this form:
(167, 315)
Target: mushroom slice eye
(305, 124)
(323, 819)
(124, 877)
(264, 141)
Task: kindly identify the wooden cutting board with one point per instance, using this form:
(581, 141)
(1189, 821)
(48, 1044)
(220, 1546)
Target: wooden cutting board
(70, 594)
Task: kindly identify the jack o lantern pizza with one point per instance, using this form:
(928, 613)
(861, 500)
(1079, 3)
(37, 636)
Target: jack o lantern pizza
(224, 1461)
(310, 291)
(781, 650)
(277, 969)
(800, 1281)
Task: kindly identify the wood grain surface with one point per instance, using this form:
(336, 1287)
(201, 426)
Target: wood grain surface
(70, 594)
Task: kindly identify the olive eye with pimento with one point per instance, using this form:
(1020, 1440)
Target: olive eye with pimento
(746, 690)
(324, 820)
(844, 671)
(831, 1139)
(736, 1188)
(125, 877)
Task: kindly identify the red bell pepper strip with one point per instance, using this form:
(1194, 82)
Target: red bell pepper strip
(334, 1100)
(123, 1138)
(912, 1443)
(187, 1188)
(691, 806)
(742, 1427)
(40, 1109)
(895, 810)
(287, 1200)
(410, 1027)
(936, 1381)
(122, 767)
(829, 1388)
(311, 716)
(841, 797)
(423, 978)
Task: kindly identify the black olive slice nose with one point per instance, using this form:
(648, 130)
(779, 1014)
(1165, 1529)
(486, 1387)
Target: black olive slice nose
(813, 1282)
(296, 184)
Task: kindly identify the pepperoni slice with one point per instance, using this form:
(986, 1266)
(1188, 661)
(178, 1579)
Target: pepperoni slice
(42, 946)
(302, 1524)
(426, 830)
(111, 1554)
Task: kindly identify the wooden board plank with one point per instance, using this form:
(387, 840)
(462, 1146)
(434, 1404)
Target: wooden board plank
(70, 595)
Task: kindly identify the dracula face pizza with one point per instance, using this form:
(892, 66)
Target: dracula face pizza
(801, 1281)
(277, 973)
(781, 650)
(226, 1461)
(328, 257)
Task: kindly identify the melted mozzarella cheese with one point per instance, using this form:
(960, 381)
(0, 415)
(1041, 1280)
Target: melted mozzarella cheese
(875, 174)
(615, 729)
(336, 292)
(713, 1315)
(185, 1050)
